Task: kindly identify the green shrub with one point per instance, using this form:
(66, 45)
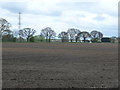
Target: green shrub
(31, 39)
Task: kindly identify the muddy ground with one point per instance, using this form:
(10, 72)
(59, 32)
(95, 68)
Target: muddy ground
(60, 65)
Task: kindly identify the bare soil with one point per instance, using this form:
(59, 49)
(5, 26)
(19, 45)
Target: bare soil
(60, 65)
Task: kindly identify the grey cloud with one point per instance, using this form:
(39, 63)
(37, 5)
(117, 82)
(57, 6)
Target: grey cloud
(50, 13)
(84, 6)
(92, 7)
(14, 7)
(99, 18)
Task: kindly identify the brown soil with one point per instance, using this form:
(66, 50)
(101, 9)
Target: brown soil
(59, 65)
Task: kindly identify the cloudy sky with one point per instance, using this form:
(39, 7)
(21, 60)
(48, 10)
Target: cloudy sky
(60, 15)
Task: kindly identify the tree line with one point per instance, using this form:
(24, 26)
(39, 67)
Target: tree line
(47, 34)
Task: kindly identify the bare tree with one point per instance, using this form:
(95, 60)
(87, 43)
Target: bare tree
(95, 35)
(72, 34)
(15, 33)
(27, 32)
(21, 34)
(48, 33)
(64, 36)
(4, 26)
(100, 35)
(7, 35)
(6, 32)
(77, 31)
(84, 35)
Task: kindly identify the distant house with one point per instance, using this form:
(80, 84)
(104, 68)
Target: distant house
(106, 39)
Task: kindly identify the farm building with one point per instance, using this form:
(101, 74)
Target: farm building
(106, 39)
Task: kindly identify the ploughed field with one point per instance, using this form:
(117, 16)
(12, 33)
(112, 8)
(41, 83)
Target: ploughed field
(59, 65)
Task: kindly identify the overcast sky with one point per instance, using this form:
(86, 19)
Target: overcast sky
(60, 15)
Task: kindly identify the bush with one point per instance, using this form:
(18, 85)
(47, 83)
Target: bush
(31, 39)
(7, 38)
(14, 39)
(95, 40)
(39, 39)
